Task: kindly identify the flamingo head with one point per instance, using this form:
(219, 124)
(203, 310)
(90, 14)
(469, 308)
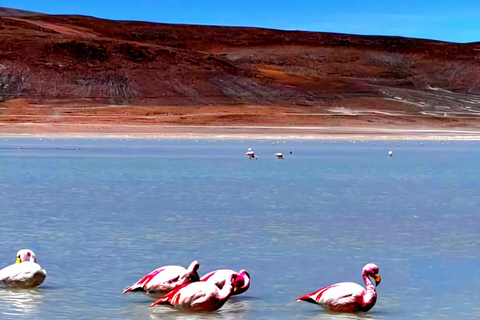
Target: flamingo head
(25, 255)
(243, 280)
(371, 271)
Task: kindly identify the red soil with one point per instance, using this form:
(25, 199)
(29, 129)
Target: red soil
(83, 70)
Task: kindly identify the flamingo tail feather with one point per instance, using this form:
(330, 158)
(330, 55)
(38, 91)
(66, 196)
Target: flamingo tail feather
(162, 301)
(307, 298)
(133, 289)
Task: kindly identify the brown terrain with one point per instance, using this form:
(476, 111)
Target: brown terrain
(73, 72)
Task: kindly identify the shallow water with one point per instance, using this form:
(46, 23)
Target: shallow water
(99, 214)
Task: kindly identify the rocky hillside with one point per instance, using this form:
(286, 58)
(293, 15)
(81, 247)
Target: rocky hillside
(84, 69)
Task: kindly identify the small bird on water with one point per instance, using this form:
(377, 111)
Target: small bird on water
(390, 153)
(251, 154)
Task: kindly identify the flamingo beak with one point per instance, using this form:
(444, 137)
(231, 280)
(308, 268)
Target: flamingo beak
(18, 260)
(378, 279)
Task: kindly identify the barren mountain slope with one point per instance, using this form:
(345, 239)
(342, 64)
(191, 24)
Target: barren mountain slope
(76, 69)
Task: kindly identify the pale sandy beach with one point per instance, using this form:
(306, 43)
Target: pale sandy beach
(235, 132)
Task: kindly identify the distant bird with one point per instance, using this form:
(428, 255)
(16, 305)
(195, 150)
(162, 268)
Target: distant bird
(25, 273)
(390, 153)
(165, 279)
(348, 296)
(279, 155)
(291, 152)
(199, 296)
(251, 154)
(218, 277)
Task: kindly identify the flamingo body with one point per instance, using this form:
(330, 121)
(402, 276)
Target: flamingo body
(24, 274)
(219, 277)
(203, 296)
(348, 296)
(163, 280)
(251, 155)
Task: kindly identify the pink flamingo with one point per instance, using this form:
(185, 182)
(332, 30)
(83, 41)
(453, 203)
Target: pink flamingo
(199, 296)
(219, 277)
(161, 281)
(348, 296)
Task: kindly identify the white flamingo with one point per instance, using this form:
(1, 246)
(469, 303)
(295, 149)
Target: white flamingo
(25, 273)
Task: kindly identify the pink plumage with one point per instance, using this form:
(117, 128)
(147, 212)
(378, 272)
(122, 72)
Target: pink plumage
(348, 296)
(219, 277)
(202, 296)
(165, 279)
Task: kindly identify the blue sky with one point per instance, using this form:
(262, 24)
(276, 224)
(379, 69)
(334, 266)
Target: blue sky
(456, 21)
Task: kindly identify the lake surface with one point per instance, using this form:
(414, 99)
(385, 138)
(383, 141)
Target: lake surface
(100, 214)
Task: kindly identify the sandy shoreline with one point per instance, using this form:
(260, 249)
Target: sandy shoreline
(235, 132)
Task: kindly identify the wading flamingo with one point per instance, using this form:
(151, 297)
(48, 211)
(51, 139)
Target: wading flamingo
(161, 281)
(25, 273)
(198, 296)
(251, 154)
(219, 277)
(348, 296)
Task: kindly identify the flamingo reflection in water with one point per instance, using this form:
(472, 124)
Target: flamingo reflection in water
(20, 302)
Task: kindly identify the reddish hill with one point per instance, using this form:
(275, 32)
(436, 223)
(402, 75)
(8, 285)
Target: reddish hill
(76, 69)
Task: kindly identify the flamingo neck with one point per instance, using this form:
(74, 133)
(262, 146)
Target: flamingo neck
(226, 291)
(192, 271)
(370, 296)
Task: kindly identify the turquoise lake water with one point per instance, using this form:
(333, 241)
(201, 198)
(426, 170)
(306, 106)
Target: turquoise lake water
(100, 214)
